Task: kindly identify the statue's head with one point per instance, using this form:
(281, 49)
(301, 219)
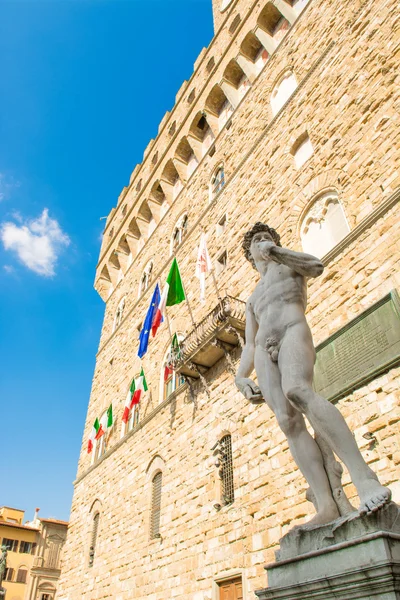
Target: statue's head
(249, 235)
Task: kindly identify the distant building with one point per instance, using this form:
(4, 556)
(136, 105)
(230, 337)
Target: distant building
(34, 553)
(291, 117)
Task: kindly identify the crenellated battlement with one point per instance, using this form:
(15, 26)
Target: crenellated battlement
(224, 74)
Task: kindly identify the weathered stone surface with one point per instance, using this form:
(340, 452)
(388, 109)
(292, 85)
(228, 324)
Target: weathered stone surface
(348, 102)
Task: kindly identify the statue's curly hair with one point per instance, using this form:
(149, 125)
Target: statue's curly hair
(248, 236)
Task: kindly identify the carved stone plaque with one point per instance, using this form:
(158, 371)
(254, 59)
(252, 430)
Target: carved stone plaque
(367, 346)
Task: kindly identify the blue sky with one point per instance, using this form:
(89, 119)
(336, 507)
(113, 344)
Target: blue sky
(84, 86)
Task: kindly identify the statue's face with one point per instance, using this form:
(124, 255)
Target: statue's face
(260, 241)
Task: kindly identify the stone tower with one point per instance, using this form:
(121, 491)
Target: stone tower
(290, 116)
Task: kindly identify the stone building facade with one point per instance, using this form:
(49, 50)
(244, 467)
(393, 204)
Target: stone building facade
(291, 116)
(34, 554)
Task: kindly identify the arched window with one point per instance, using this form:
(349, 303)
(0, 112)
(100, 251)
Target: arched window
(119, 314)
(226, 470)
(282, 91)
(93, 538)
(217, 182)
(170, 378)
(323, 225)
(179, 233)
(22, 575)
(155, 505)
(302, 150)
(146, 278)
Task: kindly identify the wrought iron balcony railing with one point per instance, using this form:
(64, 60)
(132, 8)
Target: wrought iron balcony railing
(218, 333)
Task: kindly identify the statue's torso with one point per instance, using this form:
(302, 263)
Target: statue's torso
(278, 302)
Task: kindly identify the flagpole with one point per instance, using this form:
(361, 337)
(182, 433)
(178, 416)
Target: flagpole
(187, 302)
(166, 316)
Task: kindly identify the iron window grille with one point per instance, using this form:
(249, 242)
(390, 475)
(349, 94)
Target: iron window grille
(156, 506)
(218, 181)
(93, 540)
(226, 470)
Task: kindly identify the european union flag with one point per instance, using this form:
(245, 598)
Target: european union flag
(144, 334)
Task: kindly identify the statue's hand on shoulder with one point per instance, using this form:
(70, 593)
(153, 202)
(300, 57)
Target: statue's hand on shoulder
(249, 389)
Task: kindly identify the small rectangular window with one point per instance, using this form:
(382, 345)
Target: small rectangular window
(11, 545)
(25, 547)
(9, 574)
(221, 225)
(222, 261)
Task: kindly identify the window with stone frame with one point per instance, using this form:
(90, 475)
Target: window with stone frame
(324, 225)
(134, 418)
(100, 446)
(217, 182)
(45, 597)
(171, 379)
(93, 538)
(179, 233)
(282, 91)
(9, 574)
(155, 515)
(22, 575)
(146, 278)
(231, 589)
(119, 314)
(221, 263)
(25, 547)
(302, 150)
(225, 469)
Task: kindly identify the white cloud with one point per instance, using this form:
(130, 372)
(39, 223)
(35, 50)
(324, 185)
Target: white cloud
(37, 243)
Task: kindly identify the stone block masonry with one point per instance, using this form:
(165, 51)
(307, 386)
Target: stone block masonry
(344, 60)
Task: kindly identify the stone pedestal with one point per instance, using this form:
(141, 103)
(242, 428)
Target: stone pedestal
(352, 558)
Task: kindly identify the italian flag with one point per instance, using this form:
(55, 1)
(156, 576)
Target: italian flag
(174, 354)
(173, 293)
(138, 386)
(92, 437)
(106, 422)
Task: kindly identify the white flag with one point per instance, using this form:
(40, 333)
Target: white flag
(203, 266)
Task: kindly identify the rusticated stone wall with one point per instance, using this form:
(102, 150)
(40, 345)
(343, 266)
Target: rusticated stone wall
(344, 59)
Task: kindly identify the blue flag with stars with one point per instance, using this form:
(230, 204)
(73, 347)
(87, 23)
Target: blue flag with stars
(145, 333)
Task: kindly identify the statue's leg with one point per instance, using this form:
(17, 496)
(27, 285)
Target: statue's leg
(296, 363)
(303, 447)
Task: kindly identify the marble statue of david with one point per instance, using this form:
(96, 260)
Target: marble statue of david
(279, 346)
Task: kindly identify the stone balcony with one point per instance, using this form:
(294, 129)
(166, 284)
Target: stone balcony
(215, 336)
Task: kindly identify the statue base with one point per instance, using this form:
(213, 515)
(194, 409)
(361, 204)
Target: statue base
(352, 557)
(2, 593)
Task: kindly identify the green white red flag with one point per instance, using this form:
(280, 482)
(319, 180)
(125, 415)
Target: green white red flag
(137, 388)
(173, 355)
(173, 293)
(92, 437)
(106, 423)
